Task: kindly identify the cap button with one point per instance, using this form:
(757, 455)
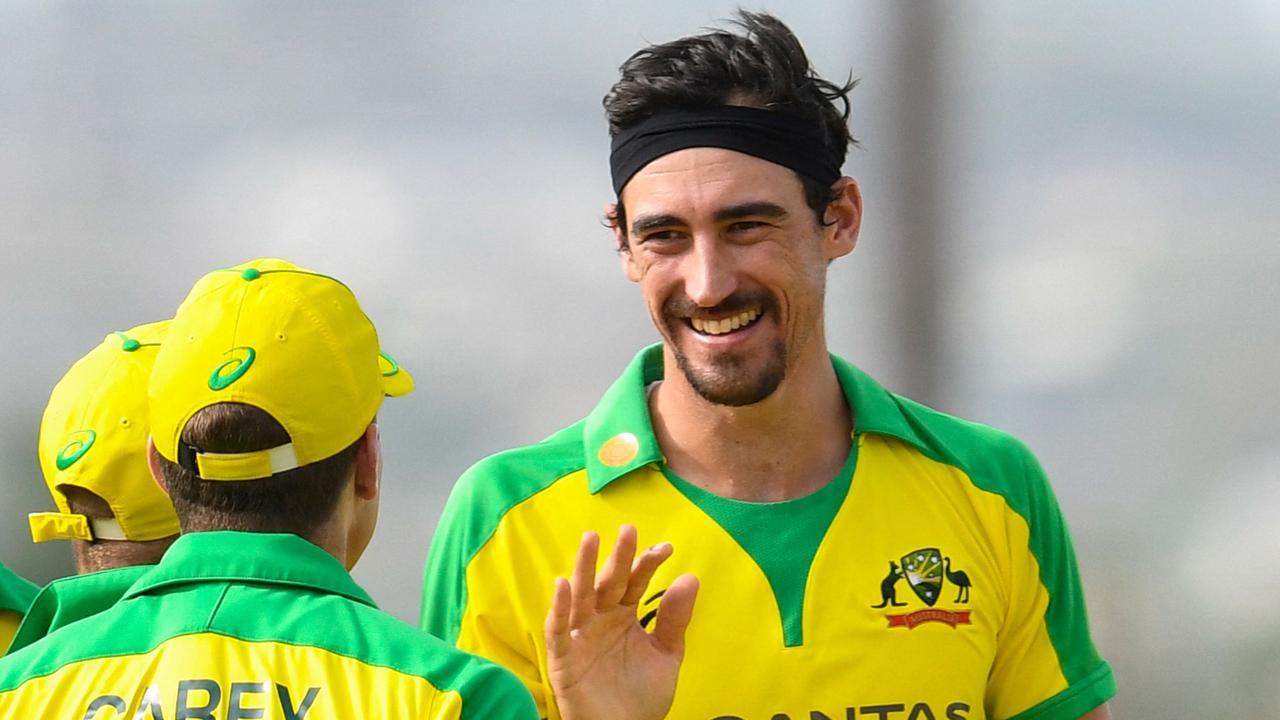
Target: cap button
(250, 274)
(619, 450)
(130, 345)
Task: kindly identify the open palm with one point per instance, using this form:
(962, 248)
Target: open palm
(602, 664)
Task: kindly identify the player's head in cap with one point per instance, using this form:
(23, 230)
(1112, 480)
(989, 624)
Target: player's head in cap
(263, 405)
(726, 157)
(93, 454)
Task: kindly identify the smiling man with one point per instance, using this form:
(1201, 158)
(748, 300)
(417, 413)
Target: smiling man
(787, 479)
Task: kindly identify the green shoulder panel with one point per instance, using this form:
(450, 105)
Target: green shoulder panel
(999, 463)
(332, 623)
(16, 592)
(370, 635)
(129, 627)
(476, 505)
(69, 599)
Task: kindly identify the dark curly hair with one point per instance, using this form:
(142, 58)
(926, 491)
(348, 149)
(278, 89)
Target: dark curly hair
(764, 66)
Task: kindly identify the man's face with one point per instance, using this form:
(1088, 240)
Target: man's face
(732, 264)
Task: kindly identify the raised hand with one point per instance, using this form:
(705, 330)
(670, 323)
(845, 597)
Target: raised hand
(602, 664)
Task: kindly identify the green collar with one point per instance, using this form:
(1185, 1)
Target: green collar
(618, 435)
(16, 592)
(243, 557)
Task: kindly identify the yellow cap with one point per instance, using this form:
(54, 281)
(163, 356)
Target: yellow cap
(283, 339)
(94, 436)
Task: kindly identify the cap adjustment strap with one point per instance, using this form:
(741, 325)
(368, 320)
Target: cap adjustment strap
(47, 526)
(237, 466)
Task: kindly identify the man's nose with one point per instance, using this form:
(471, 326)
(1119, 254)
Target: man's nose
(710, 275)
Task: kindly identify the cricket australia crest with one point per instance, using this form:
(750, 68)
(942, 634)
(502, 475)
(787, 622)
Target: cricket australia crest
(923, 571)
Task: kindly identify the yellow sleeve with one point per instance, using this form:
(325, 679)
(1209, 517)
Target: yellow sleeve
(492, 630)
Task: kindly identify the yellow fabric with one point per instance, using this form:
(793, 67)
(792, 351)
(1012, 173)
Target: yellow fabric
(93, 435)
(286, 340)
(853, 656)
(9, 622)
(246, 675)
(238, 466)
(59, 526)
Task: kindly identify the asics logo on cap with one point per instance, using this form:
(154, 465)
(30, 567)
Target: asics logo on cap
(76, 447)
(232, 370)
(391, 366)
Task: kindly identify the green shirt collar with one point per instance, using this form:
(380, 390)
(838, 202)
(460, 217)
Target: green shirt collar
(618, 435)
(257, 558)
(73, 598)
(16, 592)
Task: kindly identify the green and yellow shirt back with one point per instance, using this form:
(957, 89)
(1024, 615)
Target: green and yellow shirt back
(73, 598)
(246, 625)
(932, 580)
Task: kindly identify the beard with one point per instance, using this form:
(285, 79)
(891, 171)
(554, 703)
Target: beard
(729, 378)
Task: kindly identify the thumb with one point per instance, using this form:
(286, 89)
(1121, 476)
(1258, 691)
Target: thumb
(674, 613)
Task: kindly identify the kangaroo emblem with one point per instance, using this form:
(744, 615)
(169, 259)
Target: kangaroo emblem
(889, 593)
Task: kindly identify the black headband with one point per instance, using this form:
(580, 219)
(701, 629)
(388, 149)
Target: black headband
(779, 138)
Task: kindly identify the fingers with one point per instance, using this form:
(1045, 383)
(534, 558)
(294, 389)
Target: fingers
(584, 577)
(612, 582)
(556, 629)
(642, 572)
(622, 581)
(674, 613)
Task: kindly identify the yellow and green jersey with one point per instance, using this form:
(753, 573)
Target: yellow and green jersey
(16, 594)
(69, 599)
(933, 579)
(248, 625)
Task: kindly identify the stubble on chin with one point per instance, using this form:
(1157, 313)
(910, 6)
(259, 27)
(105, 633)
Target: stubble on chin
(730, 380)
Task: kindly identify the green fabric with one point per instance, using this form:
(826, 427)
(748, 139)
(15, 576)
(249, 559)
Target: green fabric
(240, 556)
(623, 409)
(268, 588)
(781, 537)
(476, 505)
(998, 463)
(69, 599)
(16, 592)
(1082, 697)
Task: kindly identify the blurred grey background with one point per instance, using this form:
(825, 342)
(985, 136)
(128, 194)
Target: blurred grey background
(1071, 233)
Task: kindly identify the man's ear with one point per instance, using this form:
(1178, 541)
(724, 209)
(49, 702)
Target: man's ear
(843, 218)
(153, 464)
(629, 267)
(368, 470)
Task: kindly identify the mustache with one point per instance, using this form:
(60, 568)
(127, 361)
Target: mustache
(680, 306)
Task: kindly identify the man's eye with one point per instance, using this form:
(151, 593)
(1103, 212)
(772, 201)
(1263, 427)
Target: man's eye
(745, 225)
(662, 236)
